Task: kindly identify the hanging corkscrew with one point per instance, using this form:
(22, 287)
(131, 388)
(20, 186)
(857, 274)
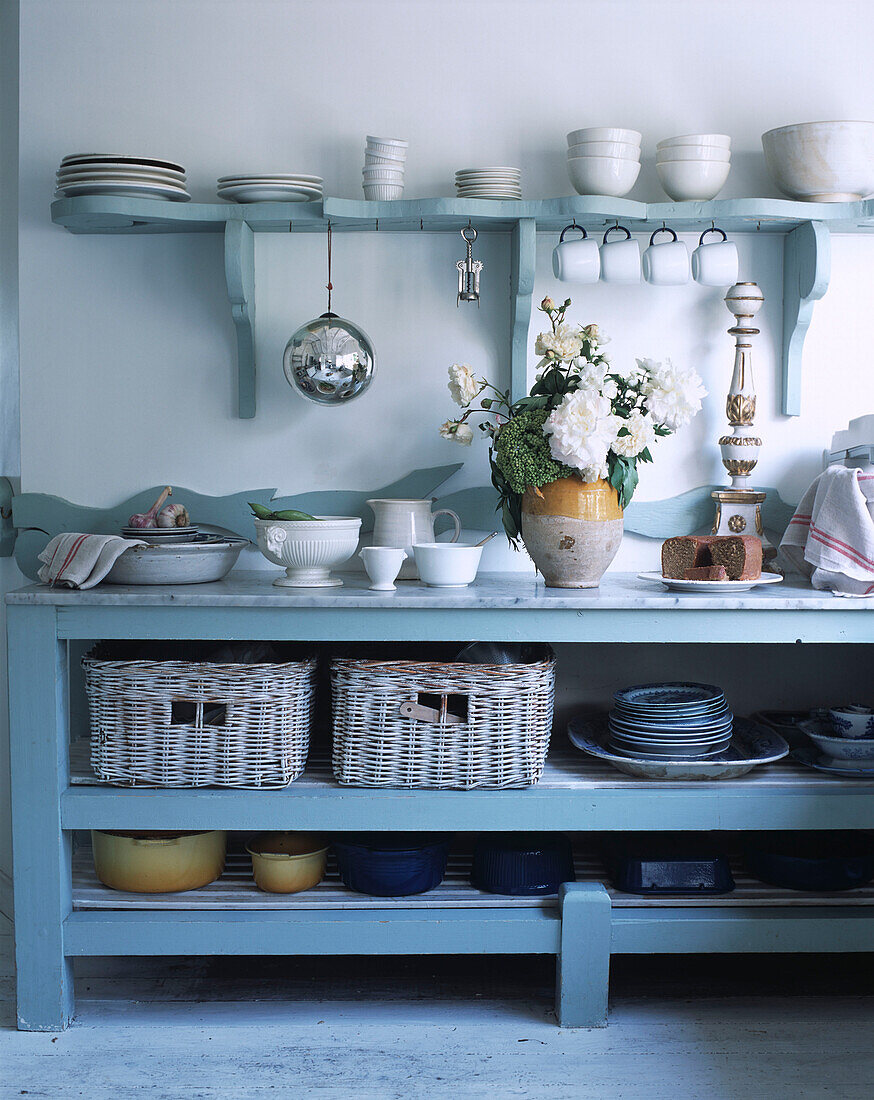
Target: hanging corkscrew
(468, 269)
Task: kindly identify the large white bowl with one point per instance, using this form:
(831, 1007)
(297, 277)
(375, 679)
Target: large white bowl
(622, 149)
(603, 175)
(822, 161)
(684, 180)
(446, 564)
(717, 141)
(308, 549)
(604, 133)
(692, 152)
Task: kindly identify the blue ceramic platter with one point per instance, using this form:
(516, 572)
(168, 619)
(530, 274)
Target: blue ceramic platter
(813, 758)
(751, 744)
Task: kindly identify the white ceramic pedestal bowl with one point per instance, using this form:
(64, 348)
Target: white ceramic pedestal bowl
(447, 564)
(822, 161)
(308, 548)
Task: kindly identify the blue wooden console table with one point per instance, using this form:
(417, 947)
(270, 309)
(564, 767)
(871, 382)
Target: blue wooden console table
(62, 912)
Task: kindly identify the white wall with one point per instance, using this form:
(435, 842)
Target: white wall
(127, 347)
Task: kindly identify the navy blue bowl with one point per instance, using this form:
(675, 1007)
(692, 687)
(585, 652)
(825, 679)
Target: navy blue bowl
(522, 864)
(836, 861)
(392, 865)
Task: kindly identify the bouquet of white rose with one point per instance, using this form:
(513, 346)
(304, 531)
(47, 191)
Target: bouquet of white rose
(583, 417)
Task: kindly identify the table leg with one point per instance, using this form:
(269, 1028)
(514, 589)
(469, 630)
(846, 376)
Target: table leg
(583, 966)
(39, 757)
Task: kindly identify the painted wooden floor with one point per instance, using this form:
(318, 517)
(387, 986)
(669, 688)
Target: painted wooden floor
(370, 1029)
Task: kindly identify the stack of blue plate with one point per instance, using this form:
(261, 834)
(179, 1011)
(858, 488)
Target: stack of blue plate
(670, 722)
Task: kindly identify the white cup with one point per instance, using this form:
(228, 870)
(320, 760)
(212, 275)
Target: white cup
(715, 264)
(576, 261)
(620, 260)
(666, 264)
(383, 563)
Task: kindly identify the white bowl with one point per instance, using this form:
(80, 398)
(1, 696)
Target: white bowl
(719, 141)
(822, 161)
(604, 133)
(603, 175)
(622, 149)
(380, 174)
(684, 180)
(308, 548)
(446, 564)
(375, 159)
(390, 147)
(693, 152)
(383, 192)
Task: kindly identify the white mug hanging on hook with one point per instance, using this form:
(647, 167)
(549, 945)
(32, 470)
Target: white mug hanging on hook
(666, 263)
(620, 260)
(576, 261)
(715, 263)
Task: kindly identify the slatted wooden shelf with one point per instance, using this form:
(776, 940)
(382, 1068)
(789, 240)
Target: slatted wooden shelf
(235, 890)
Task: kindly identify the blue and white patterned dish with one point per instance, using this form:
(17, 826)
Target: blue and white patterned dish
(839, 750)
(669, 695)
(852, 722)
(751, 744)
(812, 758)
(690, 728)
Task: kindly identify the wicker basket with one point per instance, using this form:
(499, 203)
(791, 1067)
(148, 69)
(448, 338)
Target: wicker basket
(457, 726)
(197, 724)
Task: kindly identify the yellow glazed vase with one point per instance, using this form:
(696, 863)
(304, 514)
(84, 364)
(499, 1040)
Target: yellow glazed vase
(572, 530)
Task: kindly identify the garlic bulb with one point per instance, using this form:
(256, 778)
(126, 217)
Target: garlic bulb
(173, 515)
(147, 519)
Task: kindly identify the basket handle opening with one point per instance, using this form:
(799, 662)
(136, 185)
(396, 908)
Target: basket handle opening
(184, 712)
(444, 710)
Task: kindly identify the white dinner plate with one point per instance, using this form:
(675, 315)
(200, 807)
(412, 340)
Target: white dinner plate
(263, 192)
(124, 190)
(487, 176)
(711, 586)
(120, 177)
(115, 158)
(496, 170)
(268, 177)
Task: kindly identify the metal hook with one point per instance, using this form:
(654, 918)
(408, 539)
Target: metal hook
(421, 223)
(377, 225)
(289, 227)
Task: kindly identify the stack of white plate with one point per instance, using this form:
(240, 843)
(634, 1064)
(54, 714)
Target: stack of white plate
(264, 187)
(603, 160)
(122, 175)
(384, 162)
(489, 183)
(670, 722)
(694, 166)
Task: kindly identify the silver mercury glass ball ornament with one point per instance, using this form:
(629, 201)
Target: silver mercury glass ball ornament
(329, 360)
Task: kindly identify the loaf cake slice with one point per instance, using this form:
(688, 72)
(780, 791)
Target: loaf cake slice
(741, 555)
(685, 552)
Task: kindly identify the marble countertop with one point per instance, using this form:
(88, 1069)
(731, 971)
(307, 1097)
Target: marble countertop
(490, 590)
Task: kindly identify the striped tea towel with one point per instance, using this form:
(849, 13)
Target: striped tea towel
(75, 560)
(830, 539)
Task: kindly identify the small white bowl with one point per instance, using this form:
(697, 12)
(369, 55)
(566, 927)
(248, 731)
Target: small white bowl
(446, 564)
(693, 152)
(386, 146)
(604, 133)
(622, 149)
(603, 175)
(685, 180)
(379, 173)
(308, 548)
(822, 161)
(373, 160)
(383, 192)
(718, 141)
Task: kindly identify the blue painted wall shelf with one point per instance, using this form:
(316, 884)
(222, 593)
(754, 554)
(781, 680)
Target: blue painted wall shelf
(806, 226)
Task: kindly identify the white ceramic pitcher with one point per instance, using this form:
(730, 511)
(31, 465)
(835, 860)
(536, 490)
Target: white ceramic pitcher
(402, 523)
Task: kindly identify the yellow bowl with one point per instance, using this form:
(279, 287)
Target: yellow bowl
(158, 863)
(287, 863)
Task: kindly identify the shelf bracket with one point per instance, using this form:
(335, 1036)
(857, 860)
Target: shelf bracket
(806, 271)
(240, 275)
(523, 259)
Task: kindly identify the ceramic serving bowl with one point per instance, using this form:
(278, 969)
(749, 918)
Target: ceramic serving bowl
(387, 865)
(686, 180)
(692, 152)
(852, 721)
(854, 751)
(446, 564)
(158, 863)
(622, 149)
(822, 161)
(308, 549)
(713, 141)
(173, 562)
(522, 864)
(613, 176)
(604, 133)
(287, 863)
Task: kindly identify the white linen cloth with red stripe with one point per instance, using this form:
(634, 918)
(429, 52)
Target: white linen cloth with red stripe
(830, 539)
(76, 560)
